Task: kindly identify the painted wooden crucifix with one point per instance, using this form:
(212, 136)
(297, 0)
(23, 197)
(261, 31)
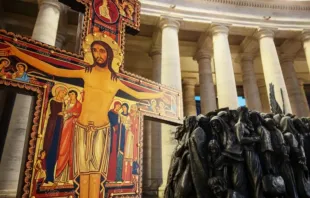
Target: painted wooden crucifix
(87, 133)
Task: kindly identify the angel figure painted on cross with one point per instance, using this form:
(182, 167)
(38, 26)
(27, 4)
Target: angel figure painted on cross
(91, 131)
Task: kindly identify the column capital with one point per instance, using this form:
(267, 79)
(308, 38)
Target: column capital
(264, 32)
(305, 35)
(217, 29)
(203, 54)
(156, 50)
(246, 57)
(287, 58)
(169, 22)
(54, 3)
(189, 81)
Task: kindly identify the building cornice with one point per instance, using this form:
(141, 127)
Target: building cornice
(232, 13)
(280, 5)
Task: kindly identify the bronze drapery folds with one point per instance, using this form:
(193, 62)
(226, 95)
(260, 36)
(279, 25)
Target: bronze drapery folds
(241, 154)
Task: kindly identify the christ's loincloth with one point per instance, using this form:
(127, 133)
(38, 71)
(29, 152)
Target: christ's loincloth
(91, 150)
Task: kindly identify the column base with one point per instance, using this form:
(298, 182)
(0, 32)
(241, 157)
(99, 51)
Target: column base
(161, 191)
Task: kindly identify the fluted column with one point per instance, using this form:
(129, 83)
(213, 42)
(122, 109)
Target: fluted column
(263, 95)
(272, 69)
(170, 76)
(304, 96)
(225, 77)
(250, 87)
(189, 102)
(292, 85)
(45, 29)
(207, 91)
(306, 44)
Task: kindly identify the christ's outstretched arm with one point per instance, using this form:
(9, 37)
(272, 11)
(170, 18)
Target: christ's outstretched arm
(43, 66)
(137, 94)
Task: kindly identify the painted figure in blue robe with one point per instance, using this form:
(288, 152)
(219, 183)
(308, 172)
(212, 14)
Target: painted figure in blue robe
(114, 141)
(122, 139)
(21, 74)
(53, 131)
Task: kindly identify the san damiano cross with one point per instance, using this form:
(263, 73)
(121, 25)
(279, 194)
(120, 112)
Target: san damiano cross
(87, 130)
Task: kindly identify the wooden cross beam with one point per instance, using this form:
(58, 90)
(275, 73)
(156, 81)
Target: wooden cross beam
(87, 133)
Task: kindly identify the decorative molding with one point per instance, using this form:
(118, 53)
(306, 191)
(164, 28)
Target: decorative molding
(268, 5)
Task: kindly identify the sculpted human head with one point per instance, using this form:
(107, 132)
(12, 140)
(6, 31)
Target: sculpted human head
(213, 147)
(243, 113)
(218, 186)
(255, 118)
(216, 125)
(270, 123)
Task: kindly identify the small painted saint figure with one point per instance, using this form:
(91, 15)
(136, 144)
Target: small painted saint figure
(21, 74)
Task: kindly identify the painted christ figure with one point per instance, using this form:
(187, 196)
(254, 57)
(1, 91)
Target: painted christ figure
(91, 131)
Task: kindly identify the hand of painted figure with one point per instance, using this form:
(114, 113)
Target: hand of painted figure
(10, 51)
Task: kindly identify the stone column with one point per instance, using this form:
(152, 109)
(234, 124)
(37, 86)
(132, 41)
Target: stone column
(62, 28)
(225, 77)
(154, 160)
(147, 155)
(304, 96)
(272, 69)
(189, 102)
(207, 92)
(292, 85)
(155, 54)
(263, 95)
(170, 76)
(45, 29)
(170, 53)
(306, 44)
(250, 87)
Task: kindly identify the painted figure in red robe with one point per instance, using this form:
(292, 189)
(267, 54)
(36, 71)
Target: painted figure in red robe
(64, 172)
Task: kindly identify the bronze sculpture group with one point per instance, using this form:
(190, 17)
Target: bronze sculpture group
(241, 154)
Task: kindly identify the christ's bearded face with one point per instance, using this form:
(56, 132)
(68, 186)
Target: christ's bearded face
(100, 55)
